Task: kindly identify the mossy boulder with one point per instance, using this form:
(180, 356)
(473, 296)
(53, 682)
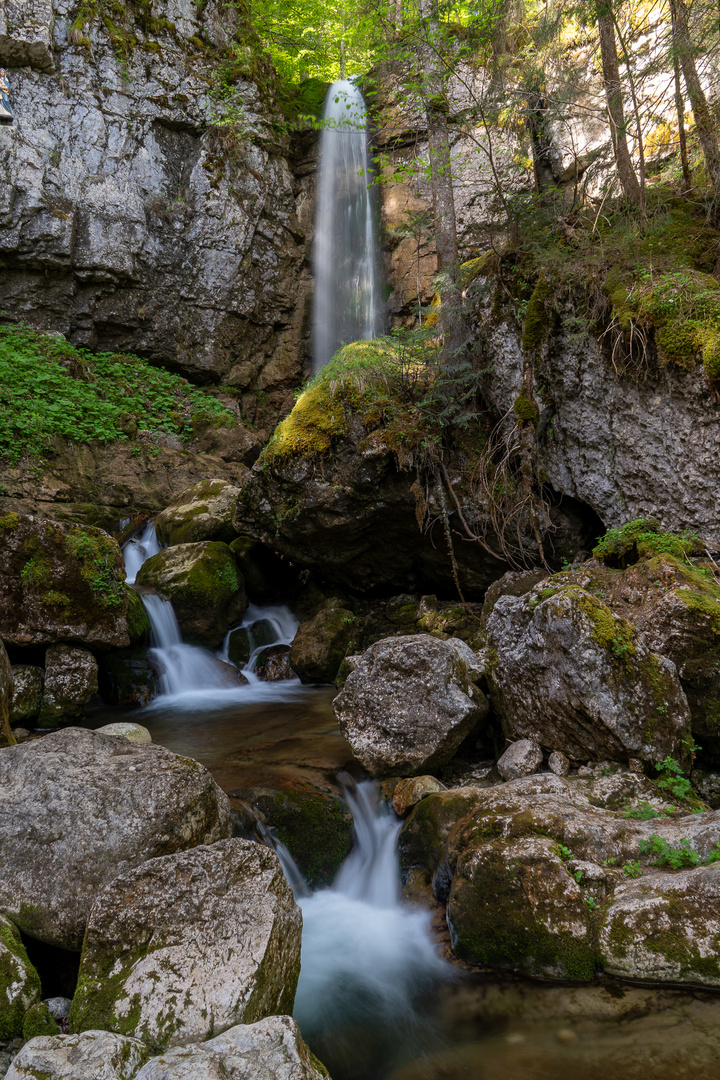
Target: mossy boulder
(137, 620)
(204, 511)
(19, 981)
(6, 696)
(90, 1056)
(321, 644)
(61, 582)
(71, 679)
(39, 1021)
(128, 679)
(205, 586)
(27, 693)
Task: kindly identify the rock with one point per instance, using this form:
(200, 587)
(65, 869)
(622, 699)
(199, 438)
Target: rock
(513, 583)
(190, 944)
(124, 730)
(408, 793)
(273, 664)
(205, 586)
(27, 692)
(60, 582)
(707, 785)
(71, 679)
(26, 34)
(128, 679)
(243, 641)
(94, 1055)
(19, 981)
(559, 764)
(271, 1049)
(39, 1021)
(6, 695)
(202, 512)
(59, 1007)
(573, 676)
(114, 805)
(321, 643)
(410, 702)
(522, 758)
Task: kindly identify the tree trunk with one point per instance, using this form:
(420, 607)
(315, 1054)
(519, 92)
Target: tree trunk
(613, 94)
(441, 182)
(701, 111)
(680, 108)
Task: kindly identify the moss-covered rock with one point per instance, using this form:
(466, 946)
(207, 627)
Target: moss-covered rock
(204, 511)
(19, 982)
(39, 1021)
(204, 584)
(71, 679)
(27, 692)
(137, 620)
(6, 696)
(321, 643)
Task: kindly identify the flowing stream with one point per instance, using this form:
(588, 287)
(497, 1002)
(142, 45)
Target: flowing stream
(347, 295)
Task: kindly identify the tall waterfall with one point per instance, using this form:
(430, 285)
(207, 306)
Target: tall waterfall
(347, 297)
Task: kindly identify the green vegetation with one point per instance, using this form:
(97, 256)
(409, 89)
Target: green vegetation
(38, 1021)
(632, 869)
(673, 779)
(100, 565)
(49, 388)
(676, 856)
(641, 539)
(644, 811)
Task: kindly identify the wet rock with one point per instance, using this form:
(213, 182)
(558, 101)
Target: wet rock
(522, 758)
(321, 643)
(60, 583)
(408, 793)
(115, 804)
(202, 512)
(71, 679)
(513, 583)
(273, 664)
(19, 981)
(124, 730)
(190, 944)
(558, 763)
(27, 692)
(128, 679)
(6, 696)
(410, 702)
(570, 674)
(59, 1007)
(205, 587)
(94, 1055)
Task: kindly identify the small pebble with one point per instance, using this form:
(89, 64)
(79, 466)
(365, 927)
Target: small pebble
(566, 1036)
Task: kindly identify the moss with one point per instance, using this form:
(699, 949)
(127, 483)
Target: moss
(610, 631)
(38, 1021)
(10, 520)
(525, 408)
(98, 557)
(641, 539)
(536, 324)
(13, 961)
(137, 620)
(99, 992)
(311, 428)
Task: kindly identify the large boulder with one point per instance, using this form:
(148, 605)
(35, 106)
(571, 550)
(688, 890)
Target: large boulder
(6, 697)
(204, 511)
(71, 679)
(27, 692)
(409, 703)
(189, 945)
(321, 643)
(203, 583)
(80, 808)
(60, 582)
(94, 1055)
(568, 673)
(19, 981)
(128, 678)
(271, 1049)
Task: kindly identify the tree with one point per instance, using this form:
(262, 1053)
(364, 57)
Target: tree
(701, 111)
(613, 95)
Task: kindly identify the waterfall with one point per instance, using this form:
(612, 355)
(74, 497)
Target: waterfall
(347, 301)
(138, 549)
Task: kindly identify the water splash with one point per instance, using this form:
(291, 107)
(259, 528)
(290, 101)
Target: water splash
(347, 295)
(138, 549)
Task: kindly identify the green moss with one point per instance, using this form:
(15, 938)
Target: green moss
(38, 1021)
(525, 408)
(537, 319)
(311, 428)
(10, 520)
(609, 630)
(13, 961)
(98, 557)
(137, 620)
(641, 539)
(316, 829)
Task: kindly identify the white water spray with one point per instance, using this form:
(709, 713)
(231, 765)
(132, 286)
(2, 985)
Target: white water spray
(347, 296)
(138, 549)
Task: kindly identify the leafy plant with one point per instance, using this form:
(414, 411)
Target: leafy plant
(564, 852)
(632, 870)
(641, 539)
(676, 856)
(673, 779)
(591, 902)
(644, 811)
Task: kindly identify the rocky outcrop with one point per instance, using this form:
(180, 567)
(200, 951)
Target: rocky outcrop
(190, 944)
(273, 664)
(409, 703)
(566, 672)
(128, 679)
(71, 679)
(204, 511)
(205, 586)
(95, 1055)
(321, 643)
(6, 697)
(60, 582)
(19, 981)
(115, 805)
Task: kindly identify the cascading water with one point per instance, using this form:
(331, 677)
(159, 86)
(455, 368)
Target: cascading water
(138, 549)
(347, 295)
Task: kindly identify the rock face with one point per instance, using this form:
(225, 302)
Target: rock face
(570, 674)
(193, 257)
(6, 696)
(60, 583)
(271, 1049)
(190, 944)
(321, 643)
(204, 511)
(27, 693)
(410, 702)
(128, 679)
(205, 586)
(19, 981)
(273, 664)
(115, 804)
(95, 1055)
(71, 679)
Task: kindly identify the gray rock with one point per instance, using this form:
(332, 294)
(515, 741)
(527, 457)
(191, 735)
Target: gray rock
(190, 944)
(125, 730)
(204, 511)
(80, 808)
(409, 703)
(71, 679)
(408, 793)
(271, 1049)
(6, 696)
(707, 785)
(558, 763)
(27, 693)
(522, 758)
(94, 1055)
(59, 1007)
(26, 34)
(320, 644)
(19, 982)
(575, 677)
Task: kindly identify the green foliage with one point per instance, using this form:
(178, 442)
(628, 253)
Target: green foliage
(49, 388)
(675, 856)
(673, 779)
(564, 852)
(644, 811)
(641, 539)
(632, 870)
(98, 558)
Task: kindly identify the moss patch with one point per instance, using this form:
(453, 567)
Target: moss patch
(641, 539)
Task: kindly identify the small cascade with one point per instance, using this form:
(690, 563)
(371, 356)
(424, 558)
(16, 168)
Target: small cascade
(138, 549)
(283, 623)
(185, 669)
(347, 295)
